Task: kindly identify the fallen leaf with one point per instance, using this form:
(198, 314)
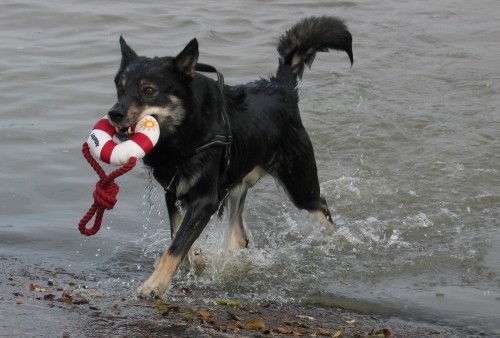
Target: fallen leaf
(186, 316)
(337, 334)
(204, 313)
(36, 288)
(255, 324)
(49, 297)
(96, 294)
(305, 317)
(79, 300)
(66, 298)
(282, 330)
(322, 332)
(231, 303)
(352, 321)
(232, 327)
(161, 305)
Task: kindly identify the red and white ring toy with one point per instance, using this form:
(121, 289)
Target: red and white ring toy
(105, 147)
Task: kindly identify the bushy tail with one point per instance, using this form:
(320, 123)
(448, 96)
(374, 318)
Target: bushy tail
(298, 46)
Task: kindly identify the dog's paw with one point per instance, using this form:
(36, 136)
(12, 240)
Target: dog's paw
(329, 228)
(151, 289)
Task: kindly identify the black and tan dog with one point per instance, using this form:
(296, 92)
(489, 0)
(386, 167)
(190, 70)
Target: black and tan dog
(217, 141)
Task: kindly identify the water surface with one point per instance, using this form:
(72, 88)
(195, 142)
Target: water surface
(407, 144)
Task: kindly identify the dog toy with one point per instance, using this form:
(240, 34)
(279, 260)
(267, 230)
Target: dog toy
(101, 145)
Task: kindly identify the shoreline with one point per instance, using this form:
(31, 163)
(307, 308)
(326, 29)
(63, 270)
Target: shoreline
(40, 300)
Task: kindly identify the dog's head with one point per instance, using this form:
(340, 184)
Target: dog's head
(153, 86)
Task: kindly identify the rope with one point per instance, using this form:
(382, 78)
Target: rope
(104, 194)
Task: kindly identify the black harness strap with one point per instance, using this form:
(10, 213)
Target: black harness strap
(218, 140)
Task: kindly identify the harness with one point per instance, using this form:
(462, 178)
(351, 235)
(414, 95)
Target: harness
(217, 140)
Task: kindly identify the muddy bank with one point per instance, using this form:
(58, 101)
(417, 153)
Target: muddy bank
(42, 300)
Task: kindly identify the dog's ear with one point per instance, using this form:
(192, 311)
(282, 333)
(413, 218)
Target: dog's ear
(187, 59)
(128, 55)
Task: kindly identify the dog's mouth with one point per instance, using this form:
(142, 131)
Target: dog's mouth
(123, 133)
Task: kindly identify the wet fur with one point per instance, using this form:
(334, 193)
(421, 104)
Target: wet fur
(267, 135)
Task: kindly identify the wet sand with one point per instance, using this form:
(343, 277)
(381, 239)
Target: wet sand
(43, 300)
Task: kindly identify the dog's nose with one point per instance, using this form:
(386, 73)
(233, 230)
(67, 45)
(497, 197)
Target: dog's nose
(116, 113)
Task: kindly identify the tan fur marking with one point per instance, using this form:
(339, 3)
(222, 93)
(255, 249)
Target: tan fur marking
(184, 185)
(158, 282)
(177, 220)
(255, 175)
(329, 227)
(236, 235)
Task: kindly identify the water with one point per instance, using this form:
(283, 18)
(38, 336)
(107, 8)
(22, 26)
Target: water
(407, 144)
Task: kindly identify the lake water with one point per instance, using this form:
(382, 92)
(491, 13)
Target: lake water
(407, 144)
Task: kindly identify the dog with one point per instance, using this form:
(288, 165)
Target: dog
(216, 141)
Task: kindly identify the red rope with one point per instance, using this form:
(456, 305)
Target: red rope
(104, 194)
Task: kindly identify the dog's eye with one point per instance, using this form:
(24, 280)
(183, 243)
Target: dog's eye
(149, 91)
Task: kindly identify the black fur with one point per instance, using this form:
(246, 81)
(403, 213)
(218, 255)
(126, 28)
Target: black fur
(264, 120)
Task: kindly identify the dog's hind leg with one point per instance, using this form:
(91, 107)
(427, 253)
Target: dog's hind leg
(303, 190)
(237, 237)
(299, 177)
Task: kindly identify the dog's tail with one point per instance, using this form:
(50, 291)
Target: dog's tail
(298, 46)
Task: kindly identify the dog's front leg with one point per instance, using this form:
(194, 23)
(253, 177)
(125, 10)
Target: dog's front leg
(197, 216)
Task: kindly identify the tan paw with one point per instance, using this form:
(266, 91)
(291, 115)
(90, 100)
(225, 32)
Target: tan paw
(151, 289)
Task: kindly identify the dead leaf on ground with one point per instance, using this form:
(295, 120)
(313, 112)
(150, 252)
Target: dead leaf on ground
(96, 294)
(49, 297)
(36, 288)
(231, 303)
(282, 330)
(77, 299)
(322, 332)
(255, 324)
(204, 313)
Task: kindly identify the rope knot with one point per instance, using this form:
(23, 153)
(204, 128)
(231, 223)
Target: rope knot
(105, 192)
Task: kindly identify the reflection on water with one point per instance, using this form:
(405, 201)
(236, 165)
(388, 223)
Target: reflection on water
(406, 144)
